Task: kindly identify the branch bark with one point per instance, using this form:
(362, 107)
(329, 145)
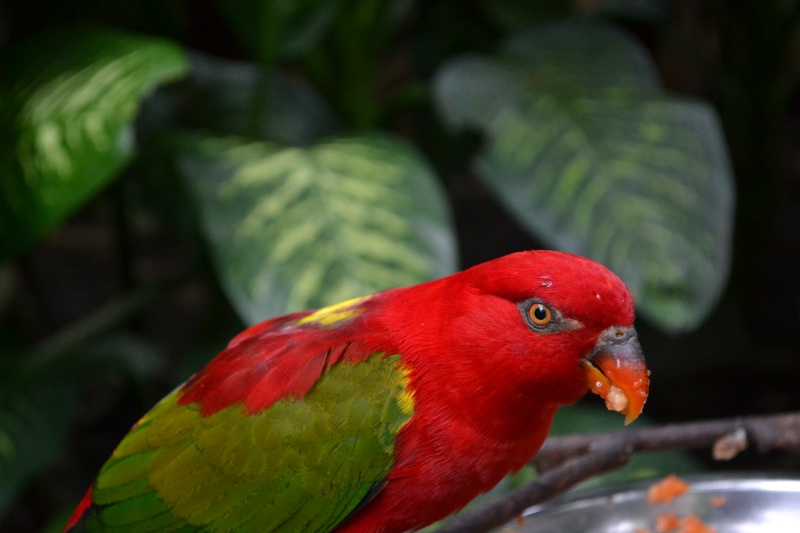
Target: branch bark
(602, 459)
(565, 461)
(767, 433)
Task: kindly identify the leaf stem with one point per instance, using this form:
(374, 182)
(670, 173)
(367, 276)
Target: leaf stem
(102, 320)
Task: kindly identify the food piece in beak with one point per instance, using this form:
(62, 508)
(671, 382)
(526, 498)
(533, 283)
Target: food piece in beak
(616, 371)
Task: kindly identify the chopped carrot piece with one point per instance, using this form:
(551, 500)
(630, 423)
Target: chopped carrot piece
(666, 522)
(665, 490)
(718, 501)
(692, 524)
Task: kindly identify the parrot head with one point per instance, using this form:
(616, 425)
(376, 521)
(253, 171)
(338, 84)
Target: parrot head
(556, 323)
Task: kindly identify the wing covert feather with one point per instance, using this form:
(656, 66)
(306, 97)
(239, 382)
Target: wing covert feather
(300, 464)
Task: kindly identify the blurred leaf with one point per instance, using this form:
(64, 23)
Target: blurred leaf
(295, 228)
(238, 98)
(126, 353)
(73, 339)
(513, 15)
(346, 66)
(36, 411)
(653, 12)
(567, 60)
(67, 101)
(587, 153)
(276, 29)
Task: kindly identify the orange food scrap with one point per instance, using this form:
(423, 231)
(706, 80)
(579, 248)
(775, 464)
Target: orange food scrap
(520, 520)
(718, 501)
(665, 490)
(666, 522)
(692, 524)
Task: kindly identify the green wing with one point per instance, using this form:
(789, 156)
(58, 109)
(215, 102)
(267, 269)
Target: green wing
(299, 465)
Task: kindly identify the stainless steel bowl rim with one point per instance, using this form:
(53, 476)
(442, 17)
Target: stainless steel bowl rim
(698, 483)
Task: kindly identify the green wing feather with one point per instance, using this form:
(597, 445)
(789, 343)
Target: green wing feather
(299, 465)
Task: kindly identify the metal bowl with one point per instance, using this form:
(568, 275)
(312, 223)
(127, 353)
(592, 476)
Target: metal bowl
(751, 504)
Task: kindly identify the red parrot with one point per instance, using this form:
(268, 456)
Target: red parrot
(382, 413)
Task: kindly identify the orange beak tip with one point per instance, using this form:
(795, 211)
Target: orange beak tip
(623, 387)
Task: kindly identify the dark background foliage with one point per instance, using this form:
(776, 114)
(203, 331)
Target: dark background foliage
(107, 304)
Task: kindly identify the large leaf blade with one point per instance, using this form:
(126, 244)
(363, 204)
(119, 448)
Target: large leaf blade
(243, 99)
(582, 57)
(67, 103)
(294, 228)
(620, 173)
(274, 29)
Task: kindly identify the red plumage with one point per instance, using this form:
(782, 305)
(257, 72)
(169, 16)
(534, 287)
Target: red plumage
(485, 387)
(485, 374)
(485, 384)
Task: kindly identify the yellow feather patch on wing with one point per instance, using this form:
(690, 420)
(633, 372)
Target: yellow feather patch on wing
(328, 316)
(405, 399)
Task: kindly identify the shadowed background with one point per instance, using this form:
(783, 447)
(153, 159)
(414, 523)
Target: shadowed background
(173, 171)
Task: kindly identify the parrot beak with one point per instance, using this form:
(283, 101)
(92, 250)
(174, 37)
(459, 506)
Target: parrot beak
(616, 371)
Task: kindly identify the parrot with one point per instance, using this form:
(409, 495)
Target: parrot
(383, 413)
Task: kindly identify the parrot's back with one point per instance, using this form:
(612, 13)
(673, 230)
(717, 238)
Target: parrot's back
(300, 463)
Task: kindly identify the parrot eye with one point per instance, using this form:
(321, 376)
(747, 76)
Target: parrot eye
(540, 315)
(541, 318)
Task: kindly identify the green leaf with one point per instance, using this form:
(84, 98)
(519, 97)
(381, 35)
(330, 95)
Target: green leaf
(514, 15)
(36, 411)
(277, 29)
(239, 98)
(295, 228)
(584, 149)
(67, 101)
(575, 58)
(123, 353)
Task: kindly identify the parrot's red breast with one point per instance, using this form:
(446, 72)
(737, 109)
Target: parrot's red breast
(469, 371)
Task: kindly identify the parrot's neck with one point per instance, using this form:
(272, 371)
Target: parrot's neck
(472, 422)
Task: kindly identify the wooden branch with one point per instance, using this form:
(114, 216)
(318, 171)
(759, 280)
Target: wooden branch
(565, 461)
(602, 459)
(767, 433)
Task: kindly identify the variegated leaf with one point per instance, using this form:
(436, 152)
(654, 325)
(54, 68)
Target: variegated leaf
(67, 104)
(585, 149)
(293, 228)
